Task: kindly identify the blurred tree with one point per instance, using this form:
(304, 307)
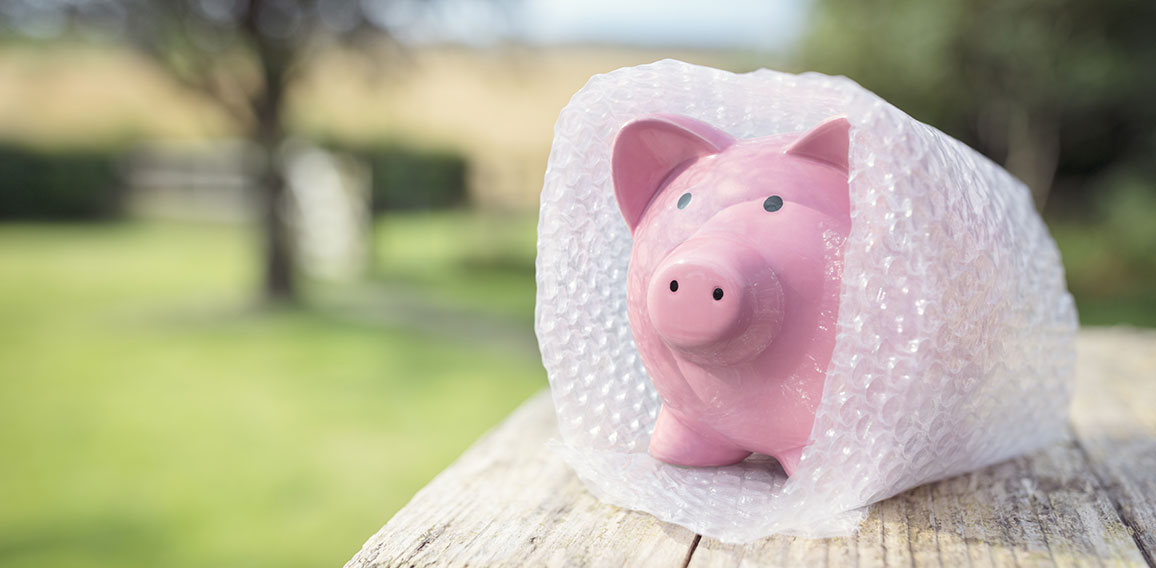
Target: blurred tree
(1041, 86)
(243, 54)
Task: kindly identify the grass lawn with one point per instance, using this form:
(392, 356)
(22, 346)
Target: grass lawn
(151, 416)
(482, 263)
(1110, 272)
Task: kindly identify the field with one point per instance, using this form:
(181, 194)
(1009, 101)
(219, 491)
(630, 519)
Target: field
(152, 415)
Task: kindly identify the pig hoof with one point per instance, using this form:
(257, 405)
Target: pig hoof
(790, 460)
(676, 444)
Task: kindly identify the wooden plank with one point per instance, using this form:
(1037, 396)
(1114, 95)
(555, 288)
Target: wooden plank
(1114, 419)
(1039, 510)
(509, 500)
(1088, 500)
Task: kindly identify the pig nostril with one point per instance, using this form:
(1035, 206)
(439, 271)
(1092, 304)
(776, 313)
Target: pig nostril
(674, 285)
(718, 294)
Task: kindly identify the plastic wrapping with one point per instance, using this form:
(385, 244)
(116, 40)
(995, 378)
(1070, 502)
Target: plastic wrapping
(955, 334)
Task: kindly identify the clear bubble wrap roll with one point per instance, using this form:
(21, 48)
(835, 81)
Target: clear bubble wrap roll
(955, 340)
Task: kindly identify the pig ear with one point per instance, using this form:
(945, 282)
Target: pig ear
(648, 149)
(828, 142)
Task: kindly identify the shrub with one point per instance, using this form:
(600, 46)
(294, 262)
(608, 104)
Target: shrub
(59, 184)
(405, 178)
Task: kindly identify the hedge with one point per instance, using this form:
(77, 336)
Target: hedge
(405, 178)
(59, 184)
(85, 184)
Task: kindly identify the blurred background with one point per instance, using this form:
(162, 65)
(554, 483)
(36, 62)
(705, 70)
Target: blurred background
(267, 266)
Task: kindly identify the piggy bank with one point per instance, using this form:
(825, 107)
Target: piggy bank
(807, 272)
(734, 279)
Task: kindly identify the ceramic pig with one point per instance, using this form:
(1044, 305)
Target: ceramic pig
(734, 280)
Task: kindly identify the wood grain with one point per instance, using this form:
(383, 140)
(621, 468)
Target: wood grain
(1038, 510)
(1089, 500)
(1114, 419)
(511, 501)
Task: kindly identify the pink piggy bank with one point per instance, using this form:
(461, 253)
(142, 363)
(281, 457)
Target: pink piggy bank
(733, 288)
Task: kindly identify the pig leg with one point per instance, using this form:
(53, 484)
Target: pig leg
(675, 443)
(790, 460)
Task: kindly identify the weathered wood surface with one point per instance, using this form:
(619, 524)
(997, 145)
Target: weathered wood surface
(509, 500)
(1090, 500)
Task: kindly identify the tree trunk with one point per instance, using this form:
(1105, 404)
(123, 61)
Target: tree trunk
(1033, 151)
(280, 269)
(1027, 139)
(279, 259)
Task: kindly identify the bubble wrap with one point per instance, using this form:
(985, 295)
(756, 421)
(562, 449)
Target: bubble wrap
(955, 342)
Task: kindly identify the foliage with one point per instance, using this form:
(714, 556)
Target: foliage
(1059, 91)
(243, 55)
(1047, 87)
(405, 178)
(59, 184)
(1109, 254)
(148, 417)
(1110, 281)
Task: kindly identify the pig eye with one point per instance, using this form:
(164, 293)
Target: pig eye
(773, 203)
(684, 201)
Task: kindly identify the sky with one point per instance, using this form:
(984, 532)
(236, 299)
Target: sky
(759, 25)
(763, 25)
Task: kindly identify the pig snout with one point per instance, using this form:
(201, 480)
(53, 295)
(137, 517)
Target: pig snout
(717, 301)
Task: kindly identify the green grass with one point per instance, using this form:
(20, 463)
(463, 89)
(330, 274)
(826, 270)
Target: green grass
(151, 415)
(482, 263)
(1110, 272)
